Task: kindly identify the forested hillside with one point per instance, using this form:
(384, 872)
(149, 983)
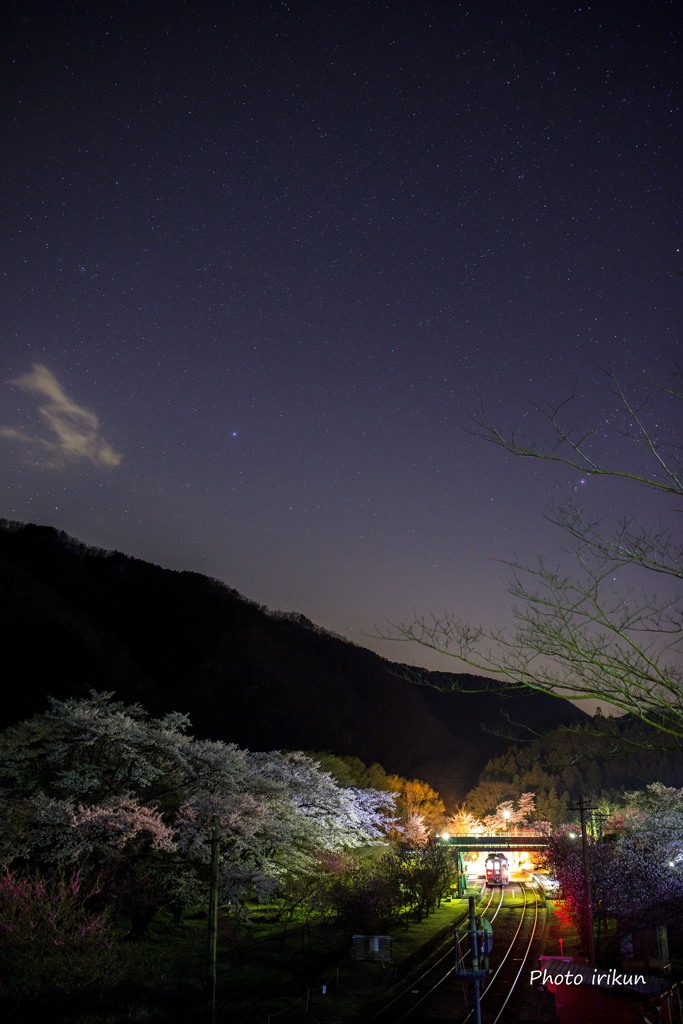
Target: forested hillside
(602, 758)
(76, 618)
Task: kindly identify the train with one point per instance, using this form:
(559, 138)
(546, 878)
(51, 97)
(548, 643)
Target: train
(497, 869)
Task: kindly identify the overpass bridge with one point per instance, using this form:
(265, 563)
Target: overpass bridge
(485, 844)
(460, 845)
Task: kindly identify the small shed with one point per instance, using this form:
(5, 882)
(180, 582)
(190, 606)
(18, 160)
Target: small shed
(372, 947)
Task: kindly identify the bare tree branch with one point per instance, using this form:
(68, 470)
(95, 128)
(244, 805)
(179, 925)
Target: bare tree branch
(570, 446)
(595, 630)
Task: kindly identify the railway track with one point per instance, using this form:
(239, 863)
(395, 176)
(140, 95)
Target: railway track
(438, 994)
(502, 986)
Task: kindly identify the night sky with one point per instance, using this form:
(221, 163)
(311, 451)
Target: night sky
(262, 262)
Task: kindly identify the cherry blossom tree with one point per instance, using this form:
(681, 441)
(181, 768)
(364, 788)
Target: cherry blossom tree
(333, 817)
(62, 832)
(411, 833)
(636, 871)
(97, 784)
(511, 814)
(649, 855)
(463, 823)
(94, 748)
(51, 943)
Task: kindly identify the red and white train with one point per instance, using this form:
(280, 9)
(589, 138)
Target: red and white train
(497, 869)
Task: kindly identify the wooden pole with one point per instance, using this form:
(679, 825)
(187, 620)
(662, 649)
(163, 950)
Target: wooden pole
(213, 918)
(587, 890)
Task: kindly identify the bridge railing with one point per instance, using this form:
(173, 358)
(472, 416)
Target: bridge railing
(479, 844)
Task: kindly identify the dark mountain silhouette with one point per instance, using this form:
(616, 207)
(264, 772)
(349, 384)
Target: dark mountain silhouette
(75, 618)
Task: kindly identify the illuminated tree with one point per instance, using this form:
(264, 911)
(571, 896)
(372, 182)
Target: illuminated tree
(643, 849)
(604, 621)
(525, 810)
(333, 817)
(132, 798)
(511, 814)
(649, 855)
(486, 796)
(414, 799)
(463, 823)
(411, 833)
(424, 875)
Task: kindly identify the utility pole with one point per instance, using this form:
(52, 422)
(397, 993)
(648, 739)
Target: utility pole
(474, 946)
(587, 893)
(480, 934)
(213, 918)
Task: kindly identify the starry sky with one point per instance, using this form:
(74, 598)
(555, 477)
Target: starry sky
(264, 262)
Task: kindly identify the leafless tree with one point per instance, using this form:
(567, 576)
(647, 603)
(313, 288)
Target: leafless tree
(603, 621)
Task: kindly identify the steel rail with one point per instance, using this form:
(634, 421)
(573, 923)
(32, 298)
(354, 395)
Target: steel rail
(448, 953)
(524, 958)
(491, 982)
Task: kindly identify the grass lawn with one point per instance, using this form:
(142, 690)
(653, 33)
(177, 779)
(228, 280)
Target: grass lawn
(318, 957)
(265, 970)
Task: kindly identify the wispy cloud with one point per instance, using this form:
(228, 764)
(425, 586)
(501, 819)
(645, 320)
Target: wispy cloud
(73, 430)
